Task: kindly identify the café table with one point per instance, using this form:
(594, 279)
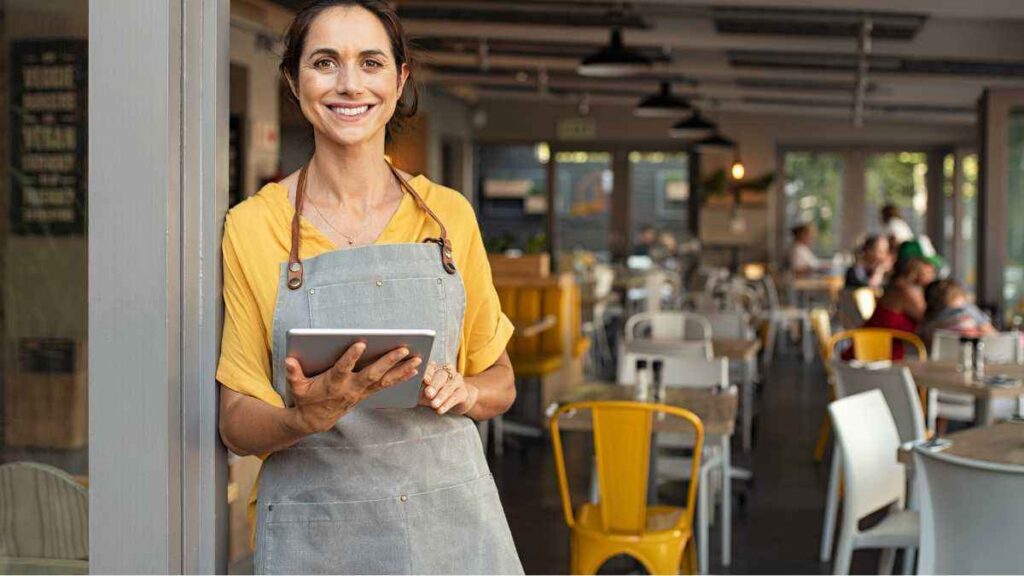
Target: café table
(806, 285)
(949, 377)
(740, 351)
(716, 409)
(1001, 443)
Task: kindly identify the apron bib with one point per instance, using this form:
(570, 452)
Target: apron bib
(385, 490)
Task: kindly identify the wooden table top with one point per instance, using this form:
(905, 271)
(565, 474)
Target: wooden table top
(946, 376)
(1001, 443)
(717, 411)
(812, 283)
(731, 348)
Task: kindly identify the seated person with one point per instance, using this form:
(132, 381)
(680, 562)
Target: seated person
(802, 260)
(873, 262)
(949, 309)
(646, 241)
(902, 305)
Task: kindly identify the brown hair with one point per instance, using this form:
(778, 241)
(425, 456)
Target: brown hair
(295, 43)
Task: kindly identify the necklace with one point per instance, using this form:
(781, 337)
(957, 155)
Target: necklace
(351, 239)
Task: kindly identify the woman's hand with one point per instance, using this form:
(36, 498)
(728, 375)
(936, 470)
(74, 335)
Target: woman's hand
(444, 390)
(322, 399)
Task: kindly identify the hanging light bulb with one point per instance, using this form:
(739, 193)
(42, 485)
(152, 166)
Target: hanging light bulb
(737, 170)
(662, 103)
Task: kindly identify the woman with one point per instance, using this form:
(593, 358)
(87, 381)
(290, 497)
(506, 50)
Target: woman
(350, 242)
(873, 262)
(902, 305)
(950, 309)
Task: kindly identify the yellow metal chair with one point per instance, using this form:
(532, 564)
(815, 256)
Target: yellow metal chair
(873, 344)
(621, 522)
(821, 323)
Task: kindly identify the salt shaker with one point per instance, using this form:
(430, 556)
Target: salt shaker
(966, 355)
(643, 381)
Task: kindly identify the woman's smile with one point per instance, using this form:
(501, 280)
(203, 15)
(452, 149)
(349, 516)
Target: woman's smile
(350, 112)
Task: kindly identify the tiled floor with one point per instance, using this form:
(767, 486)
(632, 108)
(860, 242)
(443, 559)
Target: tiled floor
(777, 532)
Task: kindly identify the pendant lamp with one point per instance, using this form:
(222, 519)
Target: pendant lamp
(614, 60)
(696, 126)
(662, 103)
(715, 143)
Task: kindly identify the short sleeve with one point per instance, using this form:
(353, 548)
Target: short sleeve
(244, 364)
(486, 330)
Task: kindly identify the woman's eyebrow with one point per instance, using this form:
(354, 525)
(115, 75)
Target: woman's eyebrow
(335, 54)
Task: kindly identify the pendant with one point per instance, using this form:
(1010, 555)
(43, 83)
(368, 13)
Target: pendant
(351, 242)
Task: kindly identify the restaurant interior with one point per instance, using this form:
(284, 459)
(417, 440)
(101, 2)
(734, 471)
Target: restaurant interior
(761, 257)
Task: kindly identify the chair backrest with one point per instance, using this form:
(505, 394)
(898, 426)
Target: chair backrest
(732, 325)
(45, 513)
(668, 325)
(604, 280)
(896, 384)
(866, 301)
(872, 344)
(678, 371)
(1001, 348)
(972, 515)
(855, 306)
(622, 445)
(821, 323)
(868, 440)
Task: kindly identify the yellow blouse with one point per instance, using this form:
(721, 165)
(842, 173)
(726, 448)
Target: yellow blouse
(257, 238)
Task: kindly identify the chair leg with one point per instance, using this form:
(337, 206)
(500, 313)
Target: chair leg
(805, 338)
(823, 434)
(828, 529)
(887, 561)
(909, 556)
(703, 518)
(844, 553)
(769, 341)
(689, 562)
(586, 559)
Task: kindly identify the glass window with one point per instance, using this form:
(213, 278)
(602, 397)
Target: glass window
(583, 190)
(659, 185)
(44, 309)
(814, 181)
(513, 196)
(1013, 283)
(968, 244)
(897, 178)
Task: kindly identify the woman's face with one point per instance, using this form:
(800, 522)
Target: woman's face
(348, 84)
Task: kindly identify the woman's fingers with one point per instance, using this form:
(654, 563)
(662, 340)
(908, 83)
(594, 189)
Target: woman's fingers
(401, 372)
(457, 395)
(347, 363)
(443, 391)
(374, 372)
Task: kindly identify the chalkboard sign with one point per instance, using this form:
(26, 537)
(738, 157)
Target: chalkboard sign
(48, 136)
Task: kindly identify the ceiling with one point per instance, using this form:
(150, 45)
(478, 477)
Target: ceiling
(924, 60)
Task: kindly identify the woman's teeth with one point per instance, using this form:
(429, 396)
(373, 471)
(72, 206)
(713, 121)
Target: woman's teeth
(348, 111)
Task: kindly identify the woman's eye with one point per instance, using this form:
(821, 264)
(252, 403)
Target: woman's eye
(373, 64)
(323, 64)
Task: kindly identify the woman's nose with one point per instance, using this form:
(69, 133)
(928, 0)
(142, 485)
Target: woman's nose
(350, 81)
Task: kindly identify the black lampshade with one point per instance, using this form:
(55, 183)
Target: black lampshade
(614, 60)
(715, 143)
(662, 103)
(696, 126)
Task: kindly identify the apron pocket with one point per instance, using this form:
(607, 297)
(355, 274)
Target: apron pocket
(335, 538)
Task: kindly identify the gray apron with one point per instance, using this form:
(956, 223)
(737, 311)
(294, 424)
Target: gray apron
(386, 490)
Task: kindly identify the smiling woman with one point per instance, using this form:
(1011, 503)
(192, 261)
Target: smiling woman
(349, 241)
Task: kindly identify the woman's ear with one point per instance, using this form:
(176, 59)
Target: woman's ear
(403, 75)
(291, 86)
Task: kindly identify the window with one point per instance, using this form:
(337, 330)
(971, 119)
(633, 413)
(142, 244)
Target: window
(513, 196)
(896, 178)
(583, 189)
(1013, 282)
(659, 184)
(812, 189)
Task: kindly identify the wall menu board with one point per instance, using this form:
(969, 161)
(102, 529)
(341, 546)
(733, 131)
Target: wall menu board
(48, 107)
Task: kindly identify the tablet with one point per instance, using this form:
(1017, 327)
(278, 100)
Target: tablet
(317, 349)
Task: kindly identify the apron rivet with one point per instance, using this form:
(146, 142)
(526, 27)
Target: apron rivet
(270, 507)
(295, 282)
(312, 290)
(379, 283)
(439, 280)
(403, 497)
(295, 267)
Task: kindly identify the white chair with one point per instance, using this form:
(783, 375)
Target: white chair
(667, 325)
(729, 325)
(972, 515)
(778, 316)
(1001, 348)
(46, 519)
(873, 480)
(685, 373)
(900, 393)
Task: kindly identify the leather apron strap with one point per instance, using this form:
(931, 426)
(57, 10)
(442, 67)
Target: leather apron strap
(295, 264)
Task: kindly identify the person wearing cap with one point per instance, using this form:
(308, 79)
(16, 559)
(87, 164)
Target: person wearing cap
(902, 306)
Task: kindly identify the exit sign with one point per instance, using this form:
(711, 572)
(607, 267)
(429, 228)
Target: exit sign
(577, 129)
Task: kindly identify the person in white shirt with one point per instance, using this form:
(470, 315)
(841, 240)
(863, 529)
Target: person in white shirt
(802, 260)
(894, 226)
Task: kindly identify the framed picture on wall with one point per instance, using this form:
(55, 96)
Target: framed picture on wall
(672, 194)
